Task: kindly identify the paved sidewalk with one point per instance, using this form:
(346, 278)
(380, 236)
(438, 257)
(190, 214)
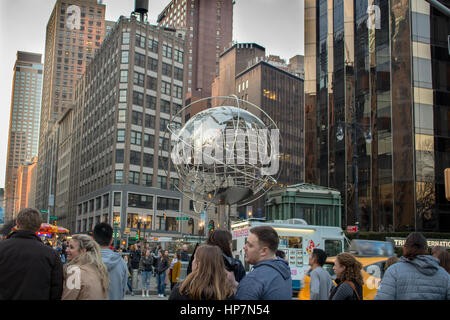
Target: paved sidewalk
(151, 297)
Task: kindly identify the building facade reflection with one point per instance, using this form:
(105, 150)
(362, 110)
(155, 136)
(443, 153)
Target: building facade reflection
(382, 64)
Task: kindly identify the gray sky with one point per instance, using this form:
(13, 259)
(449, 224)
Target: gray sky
(277, 25)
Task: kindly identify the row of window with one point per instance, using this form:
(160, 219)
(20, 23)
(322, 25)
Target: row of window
(134, 221)
(147, 178)
(152, 45)
(134, 200)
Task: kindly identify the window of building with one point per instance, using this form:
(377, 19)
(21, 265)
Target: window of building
(148, 160)
(160, 223)
(165, 88)
(123, 76)
(118, 176)
(119, 155)
(122, 115)
(136, 116)
(152, 64)
(149, 141)
(178, 56)
(139, 59)
(132, 220)
(165, 106)
(124, 58)
(151, 83)
(140, 41)
(105, 201)
(123, 95)
(167, 51)
(163, 124)
(135, 157)
(117, 196)
(140, 201)
(166, 69)
(177, 91)
(135, 138)
(121, 135)
(147, 179)
(178, 73)
(153, 45)
(133, 177)
(125, 38)
(174, 182)
(167, 204)
(164, 143)
(162, 182)
(138, 79)
(150, 102)
(150, 121)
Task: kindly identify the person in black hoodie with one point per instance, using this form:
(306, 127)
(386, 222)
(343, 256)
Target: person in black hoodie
(223, 239)
(349, 279)
(208, 279)
(29, 270)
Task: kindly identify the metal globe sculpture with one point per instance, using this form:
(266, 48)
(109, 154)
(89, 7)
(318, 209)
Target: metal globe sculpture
(225, 155)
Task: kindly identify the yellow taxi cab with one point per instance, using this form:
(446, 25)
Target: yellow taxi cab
(372, 271)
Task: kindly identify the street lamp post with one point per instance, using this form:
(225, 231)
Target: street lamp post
(201, 225)
(115, 234)
(355, 126)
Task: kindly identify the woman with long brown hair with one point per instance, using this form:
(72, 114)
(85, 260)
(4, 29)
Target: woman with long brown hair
(348, 278)
(223, 239)
(208, 279)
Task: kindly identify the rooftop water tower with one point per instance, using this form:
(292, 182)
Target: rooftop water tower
(141, 8)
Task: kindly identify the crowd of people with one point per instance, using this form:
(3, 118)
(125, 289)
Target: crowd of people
(89, 268)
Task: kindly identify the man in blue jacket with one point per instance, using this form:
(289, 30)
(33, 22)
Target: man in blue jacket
(270, 278)
(117, 268)
(417, 275)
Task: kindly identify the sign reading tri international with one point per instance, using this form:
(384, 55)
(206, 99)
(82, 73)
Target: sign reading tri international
(399, 242)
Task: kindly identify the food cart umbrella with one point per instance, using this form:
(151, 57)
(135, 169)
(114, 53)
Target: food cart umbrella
(62, 230)
(45, 227)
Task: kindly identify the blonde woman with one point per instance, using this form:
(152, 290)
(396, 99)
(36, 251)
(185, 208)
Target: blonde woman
(85, 276)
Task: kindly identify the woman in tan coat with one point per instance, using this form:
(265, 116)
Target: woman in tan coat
(175, 268)
(85, 276)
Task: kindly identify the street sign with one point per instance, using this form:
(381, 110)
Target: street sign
(182, 218)
(352, 229)
(53, 218)
(43, 211)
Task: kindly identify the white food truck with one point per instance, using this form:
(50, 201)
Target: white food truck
(297, 240)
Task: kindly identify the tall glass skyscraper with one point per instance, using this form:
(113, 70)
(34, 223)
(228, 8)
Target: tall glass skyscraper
(382, 66)
(24, 119)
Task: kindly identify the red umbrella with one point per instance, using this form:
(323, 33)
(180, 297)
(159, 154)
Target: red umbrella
(62, 230)
(45, 227)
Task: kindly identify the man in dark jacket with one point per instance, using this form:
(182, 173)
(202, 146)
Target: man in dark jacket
(270, 278)
(29, 270)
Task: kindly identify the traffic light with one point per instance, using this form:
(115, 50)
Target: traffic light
(54, 222)
(165, 216)
(447, 183)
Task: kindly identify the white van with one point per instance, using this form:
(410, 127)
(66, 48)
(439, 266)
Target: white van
(297, 240)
